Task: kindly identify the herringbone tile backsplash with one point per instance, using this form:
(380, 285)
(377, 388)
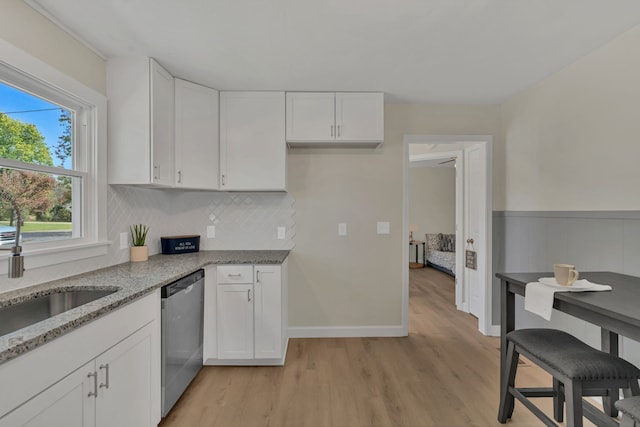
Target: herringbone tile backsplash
(241, 220)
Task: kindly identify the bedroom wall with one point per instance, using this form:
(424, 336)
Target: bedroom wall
(432, 200)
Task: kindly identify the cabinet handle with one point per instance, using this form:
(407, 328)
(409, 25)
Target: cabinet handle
(222, 179)
(106, 383)
(179, 177)
(249, 295)
(257, 276)
(339, 130)
(332, 131)
(156, 173)
(235, 275)
(93, 393)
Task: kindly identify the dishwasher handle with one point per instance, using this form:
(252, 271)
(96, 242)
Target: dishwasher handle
(184, 284)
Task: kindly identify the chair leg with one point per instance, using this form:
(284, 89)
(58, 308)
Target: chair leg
(634, 387)
(573, 396)
(506, 398)
(558, 401)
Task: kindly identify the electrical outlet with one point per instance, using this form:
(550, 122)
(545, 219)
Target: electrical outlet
(342, 229)
(282, 232)
(211, 231)
(124, 240)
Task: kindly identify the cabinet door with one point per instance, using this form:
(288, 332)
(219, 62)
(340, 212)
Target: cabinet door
(129, 119)
(359, 116)
(235, 321)
(124, 382)
(310, 116)
(197, 136)
(268, 312)
(67, 403)
(252, 141)
(162, 120)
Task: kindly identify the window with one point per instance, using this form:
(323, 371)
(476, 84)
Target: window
(52, 161)
(40, 137)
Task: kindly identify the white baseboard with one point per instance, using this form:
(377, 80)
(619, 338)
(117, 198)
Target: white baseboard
(494, 331)
(248, 362)
(346, 331)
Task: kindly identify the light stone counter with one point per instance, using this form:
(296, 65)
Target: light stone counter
(132, 280)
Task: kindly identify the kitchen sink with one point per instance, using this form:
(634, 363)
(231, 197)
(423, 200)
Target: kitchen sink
(22, 314)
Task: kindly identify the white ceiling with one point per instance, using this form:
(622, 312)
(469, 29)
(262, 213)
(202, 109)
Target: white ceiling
(416, 51)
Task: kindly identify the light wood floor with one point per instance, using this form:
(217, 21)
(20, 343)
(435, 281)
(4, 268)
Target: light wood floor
(445, 373)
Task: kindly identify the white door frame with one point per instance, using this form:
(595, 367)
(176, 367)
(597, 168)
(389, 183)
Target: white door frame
(485, 317)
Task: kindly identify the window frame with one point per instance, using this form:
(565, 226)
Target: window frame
(31, 75)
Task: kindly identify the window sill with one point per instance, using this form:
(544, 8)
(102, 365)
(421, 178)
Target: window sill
(43, 257)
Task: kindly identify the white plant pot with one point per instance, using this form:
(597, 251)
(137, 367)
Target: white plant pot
(138, 253)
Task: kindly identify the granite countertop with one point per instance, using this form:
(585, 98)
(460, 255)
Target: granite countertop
(132, 280)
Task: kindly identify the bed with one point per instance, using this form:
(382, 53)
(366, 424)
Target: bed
(441, 252)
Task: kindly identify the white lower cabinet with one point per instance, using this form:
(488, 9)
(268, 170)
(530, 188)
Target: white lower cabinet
(235, 321)
(67, 403)
(247, 316)
(124, 382)
(117, 384)
(112, 390)
(267, 311)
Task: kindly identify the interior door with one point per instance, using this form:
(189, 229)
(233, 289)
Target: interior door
(475, 218)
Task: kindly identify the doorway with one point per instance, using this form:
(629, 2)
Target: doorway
(473, 218)
(435, 201)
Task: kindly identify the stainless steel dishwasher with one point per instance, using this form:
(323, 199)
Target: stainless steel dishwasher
(182, 331)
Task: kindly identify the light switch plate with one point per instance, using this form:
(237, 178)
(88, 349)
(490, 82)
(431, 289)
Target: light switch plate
(383, 227)
(211, 231)
(124, 240)
(282, 232)
(342, 229)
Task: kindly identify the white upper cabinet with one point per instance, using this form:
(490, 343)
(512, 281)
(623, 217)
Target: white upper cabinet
(342, 118)
(310, 116)
(359, 116)
(253, 149)
(197, 136)
(141, 122)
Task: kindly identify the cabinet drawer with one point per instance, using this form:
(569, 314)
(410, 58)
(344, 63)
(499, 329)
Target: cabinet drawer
(235, 274)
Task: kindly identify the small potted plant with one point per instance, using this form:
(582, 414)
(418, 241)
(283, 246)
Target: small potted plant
(139, 251)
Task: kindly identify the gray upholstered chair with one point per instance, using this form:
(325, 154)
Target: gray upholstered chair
(630, 408)
(578, 370)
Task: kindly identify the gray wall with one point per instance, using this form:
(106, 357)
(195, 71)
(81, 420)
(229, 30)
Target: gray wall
(592, 240)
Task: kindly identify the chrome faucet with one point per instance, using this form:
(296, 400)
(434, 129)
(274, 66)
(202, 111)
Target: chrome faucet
(16, 261)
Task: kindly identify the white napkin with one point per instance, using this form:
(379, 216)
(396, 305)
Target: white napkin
(538, 296)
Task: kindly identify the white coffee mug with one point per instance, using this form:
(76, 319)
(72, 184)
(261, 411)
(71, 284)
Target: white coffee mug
(565, 274)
